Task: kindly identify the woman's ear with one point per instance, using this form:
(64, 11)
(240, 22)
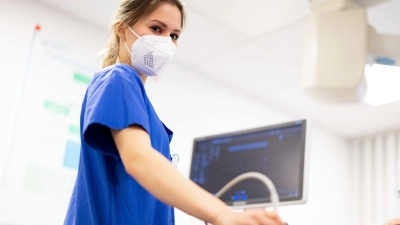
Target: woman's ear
(120, 30)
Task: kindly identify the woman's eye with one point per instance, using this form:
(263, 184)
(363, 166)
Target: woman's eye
(156, 29)
(174, 36)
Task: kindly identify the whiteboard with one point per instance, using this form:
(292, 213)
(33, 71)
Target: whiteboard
(44, 144)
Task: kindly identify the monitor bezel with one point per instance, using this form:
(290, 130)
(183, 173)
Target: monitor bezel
(303, 123)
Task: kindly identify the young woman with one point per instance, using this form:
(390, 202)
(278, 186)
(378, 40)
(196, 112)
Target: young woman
(125, 175)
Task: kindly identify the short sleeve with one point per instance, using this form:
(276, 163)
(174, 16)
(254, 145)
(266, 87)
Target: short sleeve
(115, 101)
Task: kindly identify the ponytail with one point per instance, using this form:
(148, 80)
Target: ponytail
(112, 50)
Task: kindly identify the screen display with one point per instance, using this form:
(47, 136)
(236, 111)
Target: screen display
(277, 152)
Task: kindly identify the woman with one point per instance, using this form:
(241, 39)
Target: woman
(125, 176)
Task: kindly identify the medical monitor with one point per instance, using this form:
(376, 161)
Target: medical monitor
(276, 151)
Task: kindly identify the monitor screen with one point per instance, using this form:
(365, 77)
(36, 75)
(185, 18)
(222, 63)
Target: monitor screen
(276, 151)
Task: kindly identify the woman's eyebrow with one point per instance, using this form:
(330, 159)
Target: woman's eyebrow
(165, 25)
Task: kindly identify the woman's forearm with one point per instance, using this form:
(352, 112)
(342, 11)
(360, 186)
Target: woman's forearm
(156, 174)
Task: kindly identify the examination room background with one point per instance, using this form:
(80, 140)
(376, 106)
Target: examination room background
(352, 175)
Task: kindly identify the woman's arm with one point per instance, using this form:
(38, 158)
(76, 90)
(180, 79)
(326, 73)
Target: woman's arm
(157, 175)
(395, 221)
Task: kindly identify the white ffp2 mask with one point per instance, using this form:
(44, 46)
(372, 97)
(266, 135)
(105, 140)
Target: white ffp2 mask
(150, 54)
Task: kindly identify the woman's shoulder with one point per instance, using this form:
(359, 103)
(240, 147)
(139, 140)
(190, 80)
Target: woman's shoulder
(116, 80)
(116, 72)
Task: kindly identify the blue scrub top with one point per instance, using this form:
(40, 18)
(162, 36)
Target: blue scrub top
(104, 193)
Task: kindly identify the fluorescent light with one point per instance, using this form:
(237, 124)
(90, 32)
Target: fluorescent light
(383, 84)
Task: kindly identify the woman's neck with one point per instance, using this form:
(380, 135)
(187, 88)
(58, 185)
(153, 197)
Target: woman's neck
(143, 78)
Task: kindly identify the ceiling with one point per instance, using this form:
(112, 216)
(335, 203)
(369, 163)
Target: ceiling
(256, 48)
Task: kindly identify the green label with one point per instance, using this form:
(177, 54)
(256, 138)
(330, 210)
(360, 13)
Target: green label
(55, 107)
(82, 79)
(74, 129)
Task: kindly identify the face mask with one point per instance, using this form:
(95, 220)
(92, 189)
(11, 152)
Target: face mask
(151, 54)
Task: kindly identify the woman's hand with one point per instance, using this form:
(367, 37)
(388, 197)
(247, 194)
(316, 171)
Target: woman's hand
(249, 217)
(393, 222)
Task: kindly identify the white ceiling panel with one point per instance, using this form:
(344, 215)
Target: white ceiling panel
(99, 13)
(287, 43)
(368, 3)
(202, 38)
(254, 17)
(385, 17)
(392, 108)
(254, 67)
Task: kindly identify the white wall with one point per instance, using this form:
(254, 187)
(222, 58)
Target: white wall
(188, 103)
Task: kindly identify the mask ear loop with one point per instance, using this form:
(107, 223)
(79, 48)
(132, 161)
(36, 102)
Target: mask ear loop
(125, 40)
(133, 31)
(127, 47)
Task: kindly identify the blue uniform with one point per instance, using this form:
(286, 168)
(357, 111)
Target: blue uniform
(104, 193)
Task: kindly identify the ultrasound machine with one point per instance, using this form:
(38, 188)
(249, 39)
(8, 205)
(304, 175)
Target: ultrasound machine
(256, 168)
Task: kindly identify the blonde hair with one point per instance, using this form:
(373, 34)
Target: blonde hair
(129, 12)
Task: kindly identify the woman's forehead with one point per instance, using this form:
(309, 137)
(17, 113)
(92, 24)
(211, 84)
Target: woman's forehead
(168, 14)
